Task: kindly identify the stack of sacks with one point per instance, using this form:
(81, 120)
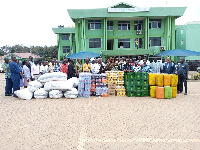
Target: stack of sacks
(163, 85)
(52, 84)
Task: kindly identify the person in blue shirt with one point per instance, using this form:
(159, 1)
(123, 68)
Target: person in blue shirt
(15, 74)
(127, 67)
(145, 67)
(6, 68)
(169, 67)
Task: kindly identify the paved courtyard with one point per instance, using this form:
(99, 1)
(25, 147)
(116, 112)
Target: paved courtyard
(113, 123)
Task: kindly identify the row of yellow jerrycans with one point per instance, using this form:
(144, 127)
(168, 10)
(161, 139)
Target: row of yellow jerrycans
(163, 79)
(159, 92)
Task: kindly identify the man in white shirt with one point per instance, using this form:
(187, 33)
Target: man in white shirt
(35, 70)
(155, 66)
(95, 67)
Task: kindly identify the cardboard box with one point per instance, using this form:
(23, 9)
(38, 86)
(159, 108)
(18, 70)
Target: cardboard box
(111, 94)
(111, 90)
(111, 86)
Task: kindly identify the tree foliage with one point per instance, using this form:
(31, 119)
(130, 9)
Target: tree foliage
(46, 52)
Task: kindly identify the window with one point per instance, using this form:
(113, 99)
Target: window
(181, 31)
(65, 36)
(66, 49)
(110, 25)
(138, 25)
(155, 23)
(154, 41)
(139, 41)
(123, 43)
(95, 43)
(94, 24)
(123, 25)
(181, 42)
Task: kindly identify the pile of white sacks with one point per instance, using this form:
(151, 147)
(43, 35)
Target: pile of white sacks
(53, 85)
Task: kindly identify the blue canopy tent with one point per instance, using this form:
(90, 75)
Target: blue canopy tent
(178, 52)
(83, 55)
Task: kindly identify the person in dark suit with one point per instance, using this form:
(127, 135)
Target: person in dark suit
(71, 70)
(182, 71)
(15, 74)
(169, 67)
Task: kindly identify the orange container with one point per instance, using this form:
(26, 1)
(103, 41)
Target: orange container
(167, 79)
(160, 92)
(104, 94)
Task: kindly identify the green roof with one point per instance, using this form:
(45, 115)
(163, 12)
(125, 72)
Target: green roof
(63, 30)
(122, 5)
(103, 12)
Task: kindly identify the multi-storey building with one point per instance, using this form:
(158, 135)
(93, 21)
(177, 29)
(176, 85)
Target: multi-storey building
(120, 30)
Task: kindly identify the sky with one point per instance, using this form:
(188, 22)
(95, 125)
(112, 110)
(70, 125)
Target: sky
(30, 22)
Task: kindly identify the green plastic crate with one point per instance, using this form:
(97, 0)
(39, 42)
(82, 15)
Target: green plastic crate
(137, 87)
(145, 76)
(138, 82)
(138, 75)
(130, 94)
(130, 88)
(144, 82)
(138, 93)
(145, 93)
(145, 87)
(129, 82)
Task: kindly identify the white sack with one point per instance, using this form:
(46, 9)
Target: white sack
(54, 76)
(58, 85)
(71, 94)
(40, 93)
(34, 85)
(24, 94)
(75, 81)
(55, 94)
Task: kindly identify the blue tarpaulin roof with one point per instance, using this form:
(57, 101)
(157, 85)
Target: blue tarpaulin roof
(83, 55)
(178, 52)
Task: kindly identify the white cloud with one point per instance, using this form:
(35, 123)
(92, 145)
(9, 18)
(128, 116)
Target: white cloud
(30, 22)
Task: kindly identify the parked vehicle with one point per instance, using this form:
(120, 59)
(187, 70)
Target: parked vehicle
(1, 68)
(198, 69)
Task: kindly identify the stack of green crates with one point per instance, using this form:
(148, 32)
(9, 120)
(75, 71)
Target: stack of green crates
(136, 84)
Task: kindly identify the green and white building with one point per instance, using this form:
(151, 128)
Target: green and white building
(187, 38)
(114, 31)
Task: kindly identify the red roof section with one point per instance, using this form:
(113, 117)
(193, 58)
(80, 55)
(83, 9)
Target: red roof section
(23, 55)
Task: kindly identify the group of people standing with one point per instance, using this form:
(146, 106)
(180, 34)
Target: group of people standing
(17, 75)
(31, 70)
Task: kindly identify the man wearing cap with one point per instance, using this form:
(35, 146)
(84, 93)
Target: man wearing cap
(182, 71)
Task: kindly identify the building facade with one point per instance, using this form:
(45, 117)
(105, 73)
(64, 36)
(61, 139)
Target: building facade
(123, 30)
(187, 38)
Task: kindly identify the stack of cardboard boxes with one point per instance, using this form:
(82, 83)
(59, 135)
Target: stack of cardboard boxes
(115, 83)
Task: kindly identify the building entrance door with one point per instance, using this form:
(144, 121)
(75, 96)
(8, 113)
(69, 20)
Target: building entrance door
(110, 43)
